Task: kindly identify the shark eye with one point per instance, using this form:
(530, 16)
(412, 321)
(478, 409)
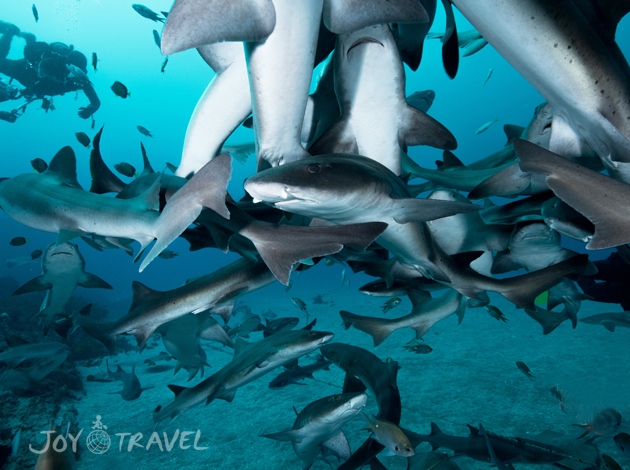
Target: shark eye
(314, 168)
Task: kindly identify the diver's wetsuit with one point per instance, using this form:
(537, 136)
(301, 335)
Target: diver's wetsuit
(615, 274)
(43, 70)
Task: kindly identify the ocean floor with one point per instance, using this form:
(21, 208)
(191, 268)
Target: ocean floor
(470, 377)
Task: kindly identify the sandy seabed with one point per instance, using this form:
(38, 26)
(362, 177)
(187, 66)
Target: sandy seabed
(470, 377)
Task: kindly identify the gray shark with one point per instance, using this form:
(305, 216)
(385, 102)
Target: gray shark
(523, 210)
(54, 202)
(63, 269)
(343, 188)
(23, 350)
(565, 220)
(317, 427)
(132, 388)
(370, 87)
(366, 371)
(567, 52)
(609, 320)
(425, 313)
(180, 339)
(584, 190)
(250, 362)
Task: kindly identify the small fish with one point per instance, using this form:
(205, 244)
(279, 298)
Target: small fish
(329, 262)
(488, 76)
(289, 285)
(555, 392)
(164, 65)
(420, 349)
(343, 277)
(299, 303)
(485, 127)
(120, 90)
(39, 165)
(83, 139)
(94, 61)
(18, 241)
(93, 123)
(157, 39)
(146, 12)
(391, 436)
(622, 440)
(524, 369)
(610, 463)
(604, 423)
(391, 303)
(35, 13)
(36, 254)
(159, 368)
(125, 169)
(495, 313)
(168, 254)
(144, 131)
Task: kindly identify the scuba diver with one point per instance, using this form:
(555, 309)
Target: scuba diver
(46, 70)
(611, 283)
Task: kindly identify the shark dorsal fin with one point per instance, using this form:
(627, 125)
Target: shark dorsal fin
(86, 310)
(176, 389)
(148, 169)
(240, 345)
(103, 179)
(150, 199)
(64, 166)
(435, 430)
(451, 161)
(512, 131)
(142, 294)
(473, 430)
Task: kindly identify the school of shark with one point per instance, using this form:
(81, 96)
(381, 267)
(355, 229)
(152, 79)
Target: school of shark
(335, 184)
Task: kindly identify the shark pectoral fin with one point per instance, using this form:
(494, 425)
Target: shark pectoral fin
(352, 384)
(337, 445)
(292, 435)
(450, 42)
(93, 281)
(338, 138)
(418, 128)
(461, 308)
(451, 161)
(149, 200)
(346, 16)
(509, 181)
(504, 262)
(546, 319)
(423, 210)
(219, 234)
(64, 236)
(191, 23)
(142, 335)
(275, 242)
(63, 166)
(207, 188)
(609, 326)
(565, 140)
(227, 396)
(36, 284)
(224, 310)
(473, 46)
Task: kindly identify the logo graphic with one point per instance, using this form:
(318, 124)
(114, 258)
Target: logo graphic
(98, 440)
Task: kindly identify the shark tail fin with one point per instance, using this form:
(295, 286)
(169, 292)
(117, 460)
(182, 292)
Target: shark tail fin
(378, 328)
(207, 188)
(547, 319)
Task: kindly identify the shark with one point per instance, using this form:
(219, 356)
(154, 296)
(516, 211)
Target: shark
(567, 52)
(23, 350)
(317, 428)
(250, 361)
(63, 269)
(132, 388)
(567, 221)
(341, 188)
(365, 371)
(569, 180)
(609, 320)
(54, 202)
(424, 314)
(376, 120)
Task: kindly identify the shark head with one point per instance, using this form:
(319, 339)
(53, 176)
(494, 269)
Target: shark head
(346, 406)
(66, 255)
(535, 233)
(300, 342)
(316, 186)
(538, 130)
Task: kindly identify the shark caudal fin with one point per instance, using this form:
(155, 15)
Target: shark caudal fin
(103, 179)
(378, 328)
(207, 188)
(522, 290)
(192, 23)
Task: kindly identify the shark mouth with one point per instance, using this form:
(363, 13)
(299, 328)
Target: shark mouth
(288, 198)
(363, 41)
(61, 253)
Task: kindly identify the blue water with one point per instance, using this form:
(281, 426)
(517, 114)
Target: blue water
(163, 103)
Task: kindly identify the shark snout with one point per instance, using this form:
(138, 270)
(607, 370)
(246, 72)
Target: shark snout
(363, 40)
